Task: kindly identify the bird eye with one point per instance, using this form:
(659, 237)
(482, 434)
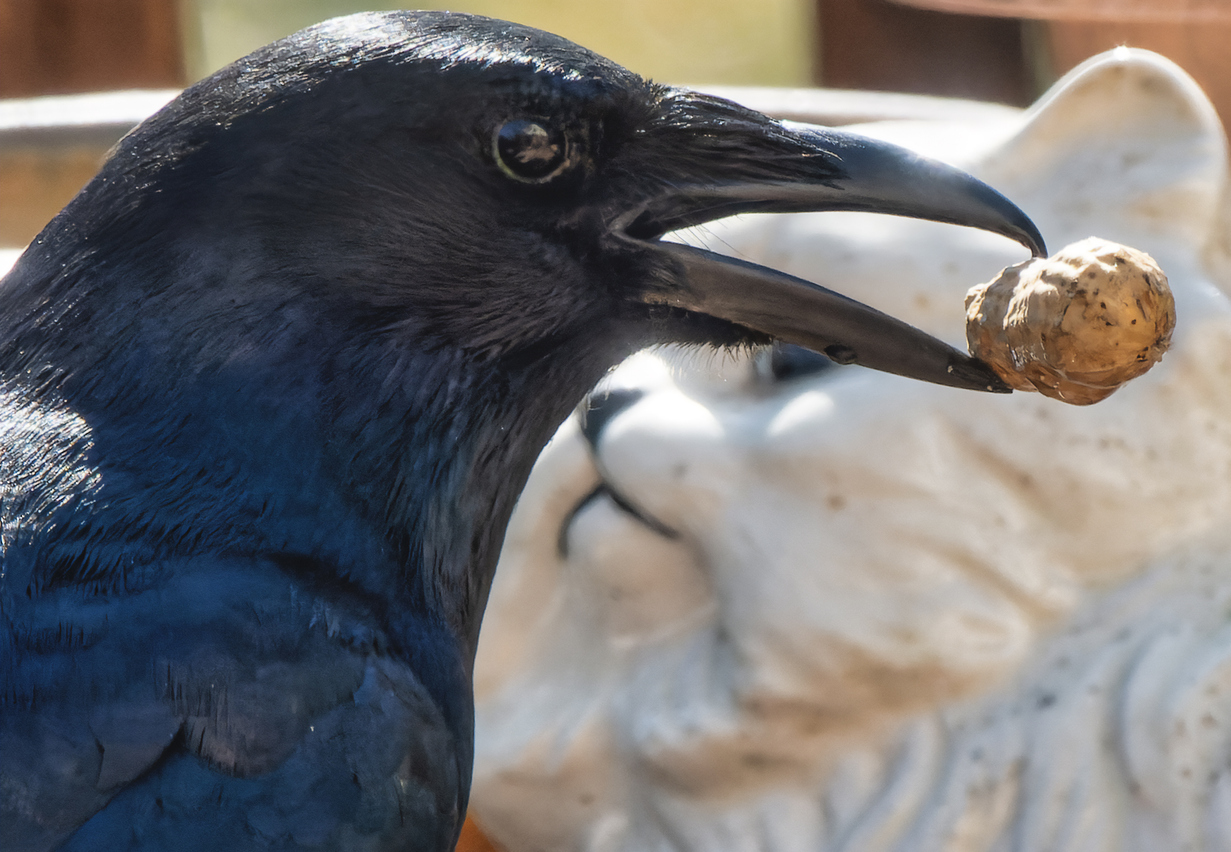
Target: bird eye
(530, 152)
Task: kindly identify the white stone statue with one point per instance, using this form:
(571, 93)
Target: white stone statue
(846, 611)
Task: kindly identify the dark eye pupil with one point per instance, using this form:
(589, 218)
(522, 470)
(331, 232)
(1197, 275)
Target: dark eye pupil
(529, 150)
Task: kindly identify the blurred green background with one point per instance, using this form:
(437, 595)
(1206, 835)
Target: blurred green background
(763, 42)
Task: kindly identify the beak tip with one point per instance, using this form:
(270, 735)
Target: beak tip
(974, 374)
(1025, 232)
(1036, 244)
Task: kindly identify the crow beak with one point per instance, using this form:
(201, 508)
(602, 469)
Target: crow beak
(728, 160)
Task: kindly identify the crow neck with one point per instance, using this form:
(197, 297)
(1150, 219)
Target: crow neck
(442, 453)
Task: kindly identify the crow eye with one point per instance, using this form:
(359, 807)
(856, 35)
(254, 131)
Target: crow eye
(529, 151)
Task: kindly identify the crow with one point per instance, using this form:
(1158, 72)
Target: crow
(271, 384)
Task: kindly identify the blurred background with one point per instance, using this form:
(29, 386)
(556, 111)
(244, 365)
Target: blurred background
(1006, 51)
(1002, 50)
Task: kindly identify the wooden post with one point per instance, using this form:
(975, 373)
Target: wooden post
(63, 46)
(876, 44)
(1192, 33)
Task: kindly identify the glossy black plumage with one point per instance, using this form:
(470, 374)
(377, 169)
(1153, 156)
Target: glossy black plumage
(271, 385)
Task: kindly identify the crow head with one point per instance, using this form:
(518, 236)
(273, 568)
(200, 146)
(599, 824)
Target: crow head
(495, 189)
(375, 264)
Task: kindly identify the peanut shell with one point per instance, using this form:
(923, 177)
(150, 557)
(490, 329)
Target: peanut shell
(1074, 326)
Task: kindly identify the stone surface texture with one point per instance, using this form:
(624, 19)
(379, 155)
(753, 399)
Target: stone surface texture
(845, 611)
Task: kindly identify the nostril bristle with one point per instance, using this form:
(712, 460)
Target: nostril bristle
(600, 407)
